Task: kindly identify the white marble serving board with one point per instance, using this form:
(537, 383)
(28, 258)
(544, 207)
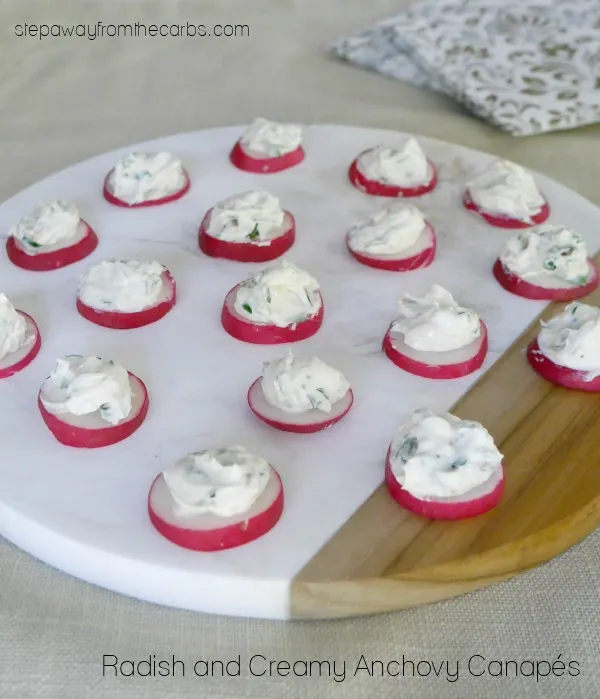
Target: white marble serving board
(84, 512)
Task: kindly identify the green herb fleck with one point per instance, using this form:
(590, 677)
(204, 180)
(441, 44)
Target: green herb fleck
(31, 243)
(548, 264)
(582, 280)
(247, 307)
(255, 233)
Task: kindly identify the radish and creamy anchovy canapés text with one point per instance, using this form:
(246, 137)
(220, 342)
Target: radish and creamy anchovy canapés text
(403, 167)
(435, 322)
(441, 456)
(547, 251)
(223, 482)
(252, 216)
(55, 223)
(280, 296)
(270, 138)
(506, 189)
(388, 231)
(572, 339)
(298, 384)
(82, 385)
(13, 329)
(141, 177)
(126, 286)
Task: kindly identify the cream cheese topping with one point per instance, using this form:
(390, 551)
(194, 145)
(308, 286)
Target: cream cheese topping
(82, 385)
(13, 329)
(435, 322)
(47, 224)
(125, 286)
(406, 166)
(388, 231)
(298, 384)
(572, 339)
(439, 455)
(270, 138)
(281, 296)
(223, 482)
(551, 251)
(253, 216)
(140, 177)
(506, 189)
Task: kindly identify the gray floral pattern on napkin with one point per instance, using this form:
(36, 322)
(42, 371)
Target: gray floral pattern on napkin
(527, 66)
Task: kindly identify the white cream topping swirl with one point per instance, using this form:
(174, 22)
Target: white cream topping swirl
(223, 482)
(440, 456)
(140, 177)
(47, 224)
(13, 329)
(82, 385)
(300, 384)
(572, 339)
(506, 189)
(389, 231)
(281, 296)
(250, 217)
(125, 286)
(435, 322)
(551, 251)
(406, 166)
(271, 138)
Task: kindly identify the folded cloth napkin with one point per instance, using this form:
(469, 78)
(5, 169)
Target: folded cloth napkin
(526, 66)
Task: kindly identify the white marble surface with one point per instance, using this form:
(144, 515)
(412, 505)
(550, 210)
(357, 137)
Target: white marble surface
(85, 512)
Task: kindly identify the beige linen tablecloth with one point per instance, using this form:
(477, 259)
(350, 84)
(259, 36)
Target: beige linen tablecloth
(63, 100)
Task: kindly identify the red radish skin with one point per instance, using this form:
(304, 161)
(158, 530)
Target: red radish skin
(127, 321)
(440, 509)
(111, 199)
(506, 221)
(264, 165)
(560, 375)
(261, 334)
(218, 538)
(247, 252)
(398, 264)
(93, 438)
(516, 285)
(437, 371)
(315, 421)
(48, 261)
(8, 370)
(379, 189)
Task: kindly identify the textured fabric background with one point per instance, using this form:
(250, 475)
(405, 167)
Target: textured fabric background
(63, 100)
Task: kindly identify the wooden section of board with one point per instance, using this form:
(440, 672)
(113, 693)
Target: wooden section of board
(385, 558)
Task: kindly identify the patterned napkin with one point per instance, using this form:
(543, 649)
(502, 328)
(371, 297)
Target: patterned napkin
(527, 66)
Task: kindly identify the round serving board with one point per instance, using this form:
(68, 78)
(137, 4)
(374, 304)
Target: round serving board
(342, 547)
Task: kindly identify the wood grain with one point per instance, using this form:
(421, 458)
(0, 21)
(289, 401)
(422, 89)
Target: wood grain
(385, 558)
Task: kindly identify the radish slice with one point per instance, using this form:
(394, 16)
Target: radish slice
(261, 333)
(261, 251)
(547, 289)
(54, 256)
(379, 189)
(125, 321)
(418, 255)
(15, 361)
(209, 532)
(91, 431)
(505, 221)
(299, 423)
(150, 202)
(560, 375)
(451, 364)
(477, 501)
(264, 164)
